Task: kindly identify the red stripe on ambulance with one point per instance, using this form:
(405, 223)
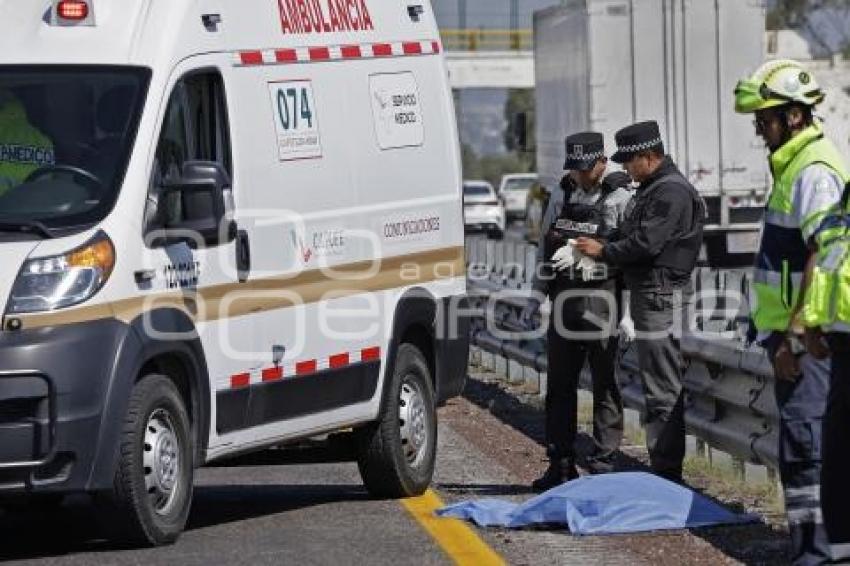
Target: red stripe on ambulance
(304, 367)
(251, 57)
(272, 374)
(412, 48)
(286, 55)
(338, 361)
(240, 380)
(382, 50)
(350, 52)
(370, 354)
(319, 53)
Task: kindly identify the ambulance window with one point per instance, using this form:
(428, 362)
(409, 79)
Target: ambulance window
(172, 150)
(207, 110)
(66, 137)
(194, 128)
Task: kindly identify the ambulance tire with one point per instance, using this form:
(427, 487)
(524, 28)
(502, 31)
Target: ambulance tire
(152, 490)
(396, 454)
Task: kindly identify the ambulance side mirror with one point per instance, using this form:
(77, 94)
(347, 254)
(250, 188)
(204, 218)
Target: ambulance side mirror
(196, 205)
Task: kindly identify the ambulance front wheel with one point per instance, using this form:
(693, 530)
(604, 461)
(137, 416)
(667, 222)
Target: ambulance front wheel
(152, 490)
(396, 454)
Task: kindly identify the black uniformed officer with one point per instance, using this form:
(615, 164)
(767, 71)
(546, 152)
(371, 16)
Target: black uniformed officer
(580, 206)
(657, 249)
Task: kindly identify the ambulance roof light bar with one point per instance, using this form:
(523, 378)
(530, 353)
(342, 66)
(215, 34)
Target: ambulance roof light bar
(67, 13)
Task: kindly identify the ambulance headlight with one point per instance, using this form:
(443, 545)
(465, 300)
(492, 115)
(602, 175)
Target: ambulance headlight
(50, 283)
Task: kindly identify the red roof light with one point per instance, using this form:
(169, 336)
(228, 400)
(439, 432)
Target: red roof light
(73, 10)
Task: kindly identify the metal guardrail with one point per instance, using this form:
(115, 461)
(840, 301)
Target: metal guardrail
(730, 401)
(487, 39)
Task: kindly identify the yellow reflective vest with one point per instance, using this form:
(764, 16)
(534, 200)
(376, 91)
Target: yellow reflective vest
(781, 260)
(827, 302)
(23, 148)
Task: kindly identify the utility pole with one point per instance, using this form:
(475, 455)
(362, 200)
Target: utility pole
(514, 24)
(461, 14)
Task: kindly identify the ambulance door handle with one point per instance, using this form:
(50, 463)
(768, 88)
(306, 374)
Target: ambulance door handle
(243, 255)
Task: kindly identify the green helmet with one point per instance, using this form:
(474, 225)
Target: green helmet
(777, 83)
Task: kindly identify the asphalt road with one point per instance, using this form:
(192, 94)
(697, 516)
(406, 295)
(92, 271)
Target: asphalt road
(245, 513)
(273, 508)
(267, 510)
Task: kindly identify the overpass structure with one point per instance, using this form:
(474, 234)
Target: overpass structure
(489, 58)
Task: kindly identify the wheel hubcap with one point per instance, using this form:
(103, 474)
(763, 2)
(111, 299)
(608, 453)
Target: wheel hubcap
(415, 424)
(162, 460)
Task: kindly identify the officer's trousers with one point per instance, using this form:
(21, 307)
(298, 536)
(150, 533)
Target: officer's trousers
(566, 357)
(835, 476)
(802, 404)
(660, 319)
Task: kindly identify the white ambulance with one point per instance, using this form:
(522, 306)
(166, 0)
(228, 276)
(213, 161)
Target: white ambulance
(224, 226)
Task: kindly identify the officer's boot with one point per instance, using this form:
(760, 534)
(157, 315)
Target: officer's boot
(560, 470)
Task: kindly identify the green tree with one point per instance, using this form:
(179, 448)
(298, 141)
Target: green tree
(519, 115)
(470, 162)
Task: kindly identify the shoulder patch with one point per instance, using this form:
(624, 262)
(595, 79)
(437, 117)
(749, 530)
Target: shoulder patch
(823, 185)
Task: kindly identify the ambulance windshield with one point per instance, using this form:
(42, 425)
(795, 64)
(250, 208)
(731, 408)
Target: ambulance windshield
(66, 134)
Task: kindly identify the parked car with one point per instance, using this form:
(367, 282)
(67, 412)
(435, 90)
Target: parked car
(483, 210)
(514, 189)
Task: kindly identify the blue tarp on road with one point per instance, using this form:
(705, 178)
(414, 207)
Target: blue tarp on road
(626, 502)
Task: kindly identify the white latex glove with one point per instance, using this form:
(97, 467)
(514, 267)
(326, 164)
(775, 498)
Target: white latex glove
(627, 328)
(566, 256)
(588, 267)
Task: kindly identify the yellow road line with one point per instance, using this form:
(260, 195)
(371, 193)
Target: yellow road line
(455, 537)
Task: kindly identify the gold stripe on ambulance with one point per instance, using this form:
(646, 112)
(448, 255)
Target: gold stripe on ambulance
(262, 295)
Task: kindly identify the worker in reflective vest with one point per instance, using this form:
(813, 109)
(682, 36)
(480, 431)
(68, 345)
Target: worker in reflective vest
(826, 314)
(808, 176)
(23, 148)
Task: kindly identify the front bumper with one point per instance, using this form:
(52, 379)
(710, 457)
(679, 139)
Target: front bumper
(54, 386)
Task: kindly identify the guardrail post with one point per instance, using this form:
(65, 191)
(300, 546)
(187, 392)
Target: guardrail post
(701, 448)
(491, 255)
(698, 306)
(530, 263)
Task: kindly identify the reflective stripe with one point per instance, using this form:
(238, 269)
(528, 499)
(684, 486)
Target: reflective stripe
(804, 516)
(775, 294)
(781, 219)
(814, 218)
(840, 551)
(774, 278)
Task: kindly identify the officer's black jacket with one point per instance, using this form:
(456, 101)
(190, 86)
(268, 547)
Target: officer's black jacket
(663, 216)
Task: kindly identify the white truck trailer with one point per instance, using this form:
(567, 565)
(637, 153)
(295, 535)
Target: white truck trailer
(604, 64)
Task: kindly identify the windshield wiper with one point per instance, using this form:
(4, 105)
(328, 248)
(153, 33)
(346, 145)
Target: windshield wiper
(27, 227)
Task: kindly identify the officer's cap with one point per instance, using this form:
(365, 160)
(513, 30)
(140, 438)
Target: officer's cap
(583, 151)
(636, 138)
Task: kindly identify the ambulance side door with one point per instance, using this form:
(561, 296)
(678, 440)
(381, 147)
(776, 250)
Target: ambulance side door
(209, 278)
